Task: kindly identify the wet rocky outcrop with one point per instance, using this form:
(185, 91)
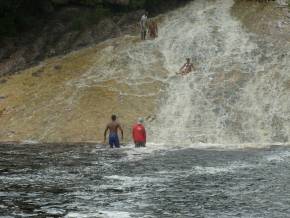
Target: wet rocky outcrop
(237, 94)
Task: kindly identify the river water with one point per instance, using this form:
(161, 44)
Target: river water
(89, 181)
(211, 143)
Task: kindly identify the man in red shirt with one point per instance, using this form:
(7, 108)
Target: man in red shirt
(139, 134)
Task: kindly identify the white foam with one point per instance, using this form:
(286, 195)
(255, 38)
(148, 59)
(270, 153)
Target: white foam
(126, 181)
(151, 148)
(86, 215)
(207, 32)
(116, 214)
(207, 170)
(222, 169)
(278, 157)
(30, 142)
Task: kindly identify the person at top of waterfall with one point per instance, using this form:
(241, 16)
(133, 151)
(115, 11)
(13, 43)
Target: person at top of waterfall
(152, 29)
(139, 134)
(113, 126)
(143, 25)
(186, 68)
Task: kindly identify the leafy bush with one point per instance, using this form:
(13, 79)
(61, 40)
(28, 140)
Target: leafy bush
(77, 23)
(137, 4)
(23, 15)
(8, 27)
(89, 17)
(18, 15)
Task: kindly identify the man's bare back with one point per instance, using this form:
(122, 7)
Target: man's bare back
(113, 126)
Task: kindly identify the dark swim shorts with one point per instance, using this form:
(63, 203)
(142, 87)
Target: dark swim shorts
(114, 140)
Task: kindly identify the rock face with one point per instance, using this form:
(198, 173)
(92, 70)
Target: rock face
(238, 93)
(61, 36)
(70, 99)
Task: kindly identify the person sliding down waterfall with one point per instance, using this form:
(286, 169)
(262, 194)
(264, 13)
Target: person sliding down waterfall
(143, 25)
(139, 134)
(186, 68)
(113, 126)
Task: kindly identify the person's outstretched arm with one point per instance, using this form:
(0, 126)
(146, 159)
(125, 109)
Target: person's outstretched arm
(192, 67)
(121, 130)
(182, 67)
(156, 29)
(105, 133)
(133, 134)
(145, 135)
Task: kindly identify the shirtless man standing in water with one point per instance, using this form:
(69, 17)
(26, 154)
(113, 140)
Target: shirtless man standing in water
(113, 136)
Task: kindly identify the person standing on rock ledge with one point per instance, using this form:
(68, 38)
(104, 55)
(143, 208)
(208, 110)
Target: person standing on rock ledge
(113, 126)
(152, 29)
(143, 25)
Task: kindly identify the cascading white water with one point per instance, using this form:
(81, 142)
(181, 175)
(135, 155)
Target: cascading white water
(236, 94)
(233, 96)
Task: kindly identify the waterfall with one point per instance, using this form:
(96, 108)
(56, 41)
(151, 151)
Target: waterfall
(238, 90)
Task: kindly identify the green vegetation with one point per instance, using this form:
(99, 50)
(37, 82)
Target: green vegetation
(89, 18)
(17, 16)
(136, 4)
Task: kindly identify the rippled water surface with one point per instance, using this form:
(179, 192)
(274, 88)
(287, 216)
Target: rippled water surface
(90, 181)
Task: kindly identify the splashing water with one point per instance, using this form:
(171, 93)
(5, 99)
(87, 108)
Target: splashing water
(237, 92)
